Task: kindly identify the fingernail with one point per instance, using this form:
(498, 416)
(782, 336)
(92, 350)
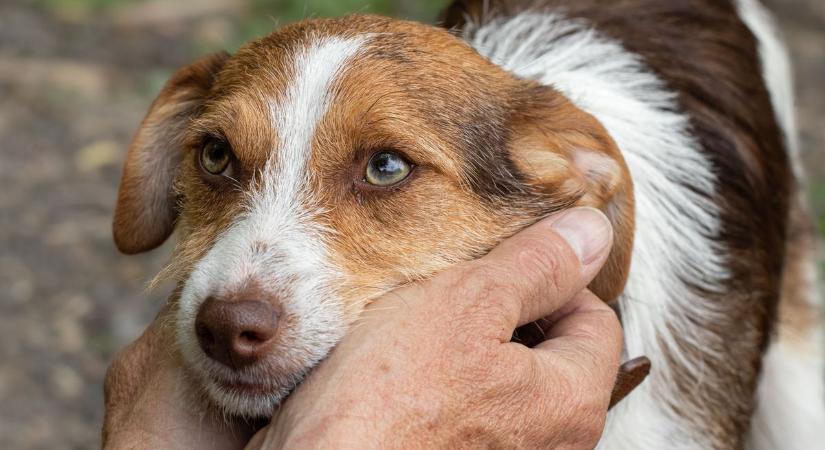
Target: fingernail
(587, 231)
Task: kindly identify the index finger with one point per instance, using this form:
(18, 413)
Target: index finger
(587, 339)
(588, 335)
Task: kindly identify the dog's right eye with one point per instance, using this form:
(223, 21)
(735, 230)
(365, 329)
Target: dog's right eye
(386, 169)
(216, 157)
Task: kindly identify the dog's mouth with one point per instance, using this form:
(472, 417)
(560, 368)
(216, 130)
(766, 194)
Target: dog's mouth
(251, 392)
(245, 388)
(246, 397)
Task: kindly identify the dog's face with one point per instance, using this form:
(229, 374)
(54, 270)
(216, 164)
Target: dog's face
(331, 162)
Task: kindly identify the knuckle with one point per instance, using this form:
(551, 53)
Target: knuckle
(521, 364)
(613, 325)
(603, 323)
(478, 304)
(606, 334)
(485, 286)
(611, 329)
(509, 375)
(479, 279)
(474, 366)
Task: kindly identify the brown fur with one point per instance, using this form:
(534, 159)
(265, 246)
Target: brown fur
(708, 57)
(798, 316)
(146, 206)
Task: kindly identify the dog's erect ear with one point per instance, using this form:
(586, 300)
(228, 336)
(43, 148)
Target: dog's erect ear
(146, 206)
(566, 154)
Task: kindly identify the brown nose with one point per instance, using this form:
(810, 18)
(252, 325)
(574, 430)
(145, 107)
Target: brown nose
(236, 333)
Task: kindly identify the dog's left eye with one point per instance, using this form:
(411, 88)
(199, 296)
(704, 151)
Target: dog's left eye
(216, 156)
(387, 168)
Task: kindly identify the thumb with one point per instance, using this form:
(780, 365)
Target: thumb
(539, 269)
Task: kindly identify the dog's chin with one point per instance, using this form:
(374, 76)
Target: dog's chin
(249, 394)
(243, 399)
(252, 392)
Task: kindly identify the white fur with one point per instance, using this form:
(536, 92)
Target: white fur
(277, 244)
(791, 398)
(790, 414)
(672, 223)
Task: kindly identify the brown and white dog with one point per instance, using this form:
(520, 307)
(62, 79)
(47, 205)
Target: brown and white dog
(334, 160)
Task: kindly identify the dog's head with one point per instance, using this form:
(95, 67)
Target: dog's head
(332, 161)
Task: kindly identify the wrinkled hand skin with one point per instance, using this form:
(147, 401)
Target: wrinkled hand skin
(430, 365)
(150, 404)
(479, 394)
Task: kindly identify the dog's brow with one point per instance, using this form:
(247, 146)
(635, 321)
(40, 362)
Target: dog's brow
(304, 105)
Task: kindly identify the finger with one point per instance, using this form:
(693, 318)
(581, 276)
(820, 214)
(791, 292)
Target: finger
(587, 338)
(538, 270)
(631, 373)
(534, 333)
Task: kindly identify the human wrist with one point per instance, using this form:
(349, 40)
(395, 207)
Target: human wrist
(337, 429)
(365, 420)
(386, 427)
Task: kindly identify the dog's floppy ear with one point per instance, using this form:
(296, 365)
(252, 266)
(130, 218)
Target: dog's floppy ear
(146, 206)
(566, 154)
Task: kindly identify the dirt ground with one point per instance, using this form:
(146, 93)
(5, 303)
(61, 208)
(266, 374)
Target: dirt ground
(73, 87)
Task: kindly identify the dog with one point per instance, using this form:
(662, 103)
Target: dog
(334, 160)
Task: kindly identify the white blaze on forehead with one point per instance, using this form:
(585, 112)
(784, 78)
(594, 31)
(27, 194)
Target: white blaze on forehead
(306, 101)
(277, 244)
(283, 210)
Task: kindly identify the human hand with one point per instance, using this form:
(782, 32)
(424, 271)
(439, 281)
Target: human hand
(150, 405)
(432, 364)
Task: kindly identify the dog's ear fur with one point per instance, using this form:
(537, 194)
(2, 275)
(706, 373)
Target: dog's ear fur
(146, 205)
(565, 153)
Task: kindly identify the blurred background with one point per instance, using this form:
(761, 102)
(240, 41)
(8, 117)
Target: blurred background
(76, 77)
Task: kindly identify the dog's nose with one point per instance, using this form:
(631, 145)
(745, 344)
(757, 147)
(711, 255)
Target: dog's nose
(236, 333)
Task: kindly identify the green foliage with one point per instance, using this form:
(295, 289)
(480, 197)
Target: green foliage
(290, 10)
(266, 15)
